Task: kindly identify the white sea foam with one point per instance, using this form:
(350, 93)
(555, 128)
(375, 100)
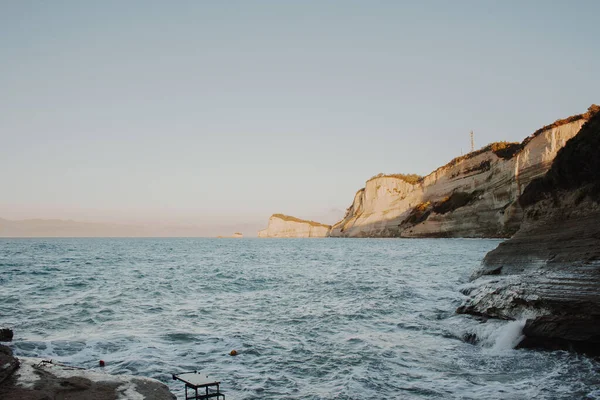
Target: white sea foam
(311, 319)
(509, 336)
(26, 375)
(127, 391)
(594, 395)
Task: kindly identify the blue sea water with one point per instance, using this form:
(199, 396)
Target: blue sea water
(311, 319)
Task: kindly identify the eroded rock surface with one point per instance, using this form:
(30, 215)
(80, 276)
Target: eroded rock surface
(549, 272)
(36, 379)
(472, 196)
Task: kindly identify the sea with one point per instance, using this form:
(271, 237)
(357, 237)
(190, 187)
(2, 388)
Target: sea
(309, 318)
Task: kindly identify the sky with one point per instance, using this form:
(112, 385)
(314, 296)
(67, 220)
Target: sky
(222, 113)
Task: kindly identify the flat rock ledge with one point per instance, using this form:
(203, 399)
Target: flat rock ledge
(36, 379)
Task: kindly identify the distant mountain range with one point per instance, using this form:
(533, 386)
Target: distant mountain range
(70, 228)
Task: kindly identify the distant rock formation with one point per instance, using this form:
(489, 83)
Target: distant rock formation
(474, 195)
(284, 226)
(236, 235)
(549, 272)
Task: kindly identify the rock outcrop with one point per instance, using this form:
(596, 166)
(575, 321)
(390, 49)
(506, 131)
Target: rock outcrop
(236, 235)
(26, 378)
(36, 379)
(472, 196)
(549, 272)
(8, 363)
(284, 226)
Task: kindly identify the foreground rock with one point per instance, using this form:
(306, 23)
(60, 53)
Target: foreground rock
(8, 363)
(472, 196)
(36, 379)
(284, 226)
(549, 272)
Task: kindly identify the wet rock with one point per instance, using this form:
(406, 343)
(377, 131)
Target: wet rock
(574, 333)
(8, 363)
(470, 338)
(549, 271)
(6, 335)
(40, 380)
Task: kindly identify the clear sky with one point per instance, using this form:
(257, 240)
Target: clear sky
(227, 112)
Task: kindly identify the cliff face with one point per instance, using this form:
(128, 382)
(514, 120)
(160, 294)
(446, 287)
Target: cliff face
(549, 272)
(284, 226)
(472, 196)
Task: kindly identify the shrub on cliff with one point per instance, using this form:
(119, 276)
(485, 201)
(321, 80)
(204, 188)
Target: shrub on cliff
(454, 201)
(419, 213)
(592, 110)
(505, 150)
(408, 178)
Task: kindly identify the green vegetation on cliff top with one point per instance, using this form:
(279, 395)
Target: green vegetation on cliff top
(408, 178)
(294, 219)
(504, 150)
(507, 150)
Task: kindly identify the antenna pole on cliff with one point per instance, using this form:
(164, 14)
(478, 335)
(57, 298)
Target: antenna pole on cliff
(472, 142)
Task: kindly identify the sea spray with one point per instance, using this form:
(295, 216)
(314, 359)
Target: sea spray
(496, 335)
(509, 336)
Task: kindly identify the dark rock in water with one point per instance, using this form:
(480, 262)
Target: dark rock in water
(6, 335)
(549, 271)
(470, 338)
(8, 363)
(581, 334)
(5, 350)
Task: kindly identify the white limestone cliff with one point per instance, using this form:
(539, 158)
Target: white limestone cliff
(472, 196)
(284, 226)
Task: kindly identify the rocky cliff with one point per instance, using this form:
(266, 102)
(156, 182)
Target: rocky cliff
(472, 196)
(284, 226)
(549, 272)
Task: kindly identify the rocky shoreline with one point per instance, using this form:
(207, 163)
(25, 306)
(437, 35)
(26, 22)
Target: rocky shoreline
(24, 378)
(549, 272)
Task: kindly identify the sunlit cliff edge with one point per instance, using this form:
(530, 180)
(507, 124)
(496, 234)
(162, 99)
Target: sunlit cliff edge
(475, 195)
